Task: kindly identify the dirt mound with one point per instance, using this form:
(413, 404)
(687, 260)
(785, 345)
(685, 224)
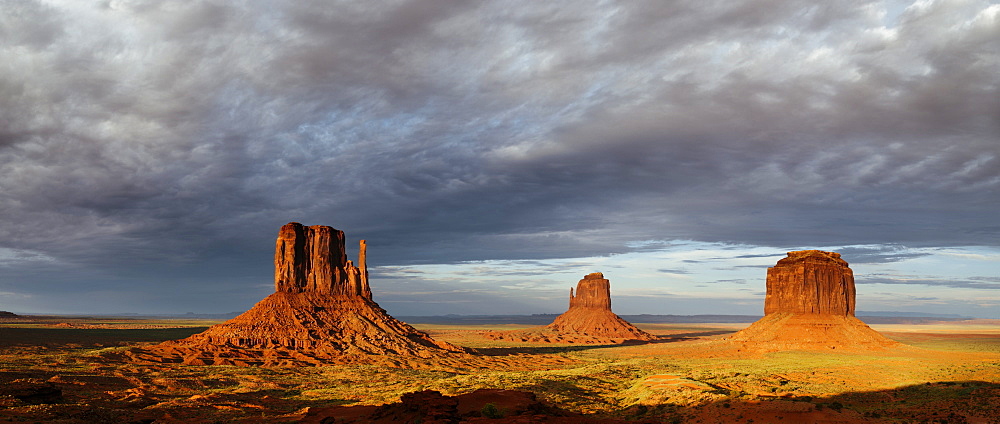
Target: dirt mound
(296, 328)
(588, 320)
(810, 305)
(321, 312)
(429, 406)
(787, 331)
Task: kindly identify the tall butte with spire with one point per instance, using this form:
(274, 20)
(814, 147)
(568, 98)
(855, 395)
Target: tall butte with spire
(313, 259)
(320, 312)
(588, 320)
(810, 305)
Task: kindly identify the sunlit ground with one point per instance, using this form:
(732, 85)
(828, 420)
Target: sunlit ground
(688, 375)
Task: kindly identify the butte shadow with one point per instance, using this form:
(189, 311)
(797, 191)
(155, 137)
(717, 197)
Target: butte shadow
(321, 312)
(810, 306)
(589, 320)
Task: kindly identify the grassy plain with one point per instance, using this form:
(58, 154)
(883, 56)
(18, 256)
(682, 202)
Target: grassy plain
(945, 373)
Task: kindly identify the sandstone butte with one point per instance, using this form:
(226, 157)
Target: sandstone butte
(588, 320)
(809, 305)
(320, 312)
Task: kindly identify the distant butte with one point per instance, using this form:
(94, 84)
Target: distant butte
(809, 305)
(321, 312)
(588, 320)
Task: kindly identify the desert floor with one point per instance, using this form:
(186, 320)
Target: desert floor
(944, 372)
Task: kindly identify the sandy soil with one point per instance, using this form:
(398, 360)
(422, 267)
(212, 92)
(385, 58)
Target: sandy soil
(946, 372)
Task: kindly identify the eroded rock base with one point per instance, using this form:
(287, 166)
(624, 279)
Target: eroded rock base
(288, 328)
(787, 331)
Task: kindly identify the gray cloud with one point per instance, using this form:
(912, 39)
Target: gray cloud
(965, 283)
(164, 143)
(986, 279)
(732, 281)
(878, 254)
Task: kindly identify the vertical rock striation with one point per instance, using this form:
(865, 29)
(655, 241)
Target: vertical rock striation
(810, 305)
(593, 291)
(321, 312)
(313, 259)
(810, 282)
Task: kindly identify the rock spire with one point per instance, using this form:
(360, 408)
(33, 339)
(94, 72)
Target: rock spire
(321, 312)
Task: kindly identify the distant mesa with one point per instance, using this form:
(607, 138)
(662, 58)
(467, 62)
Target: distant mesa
(12, 317)
(588, 320)
(810, 305)
(321, 312)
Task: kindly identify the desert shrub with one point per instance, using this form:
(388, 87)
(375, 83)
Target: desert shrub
(491, 411)
(836, 406)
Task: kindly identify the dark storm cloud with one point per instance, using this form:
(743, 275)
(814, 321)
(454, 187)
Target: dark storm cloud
(156, 141)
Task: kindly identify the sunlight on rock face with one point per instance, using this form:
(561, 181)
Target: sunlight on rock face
(810, 305)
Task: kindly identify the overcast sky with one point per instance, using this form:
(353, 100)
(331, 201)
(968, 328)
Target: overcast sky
(492, 153)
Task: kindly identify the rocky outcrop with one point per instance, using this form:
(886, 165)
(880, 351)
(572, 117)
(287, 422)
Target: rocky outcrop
(32, 391)
(431, 407)
(588, 320)
(321, 312)
(313, 259)
(12, 317)
(809, 305)
(593, 291)
(810, 282)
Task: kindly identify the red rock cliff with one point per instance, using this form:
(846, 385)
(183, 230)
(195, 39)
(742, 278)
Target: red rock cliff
(313, 259)
(810, 282)
(810, 306)
(593, 291)
(321, 312)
